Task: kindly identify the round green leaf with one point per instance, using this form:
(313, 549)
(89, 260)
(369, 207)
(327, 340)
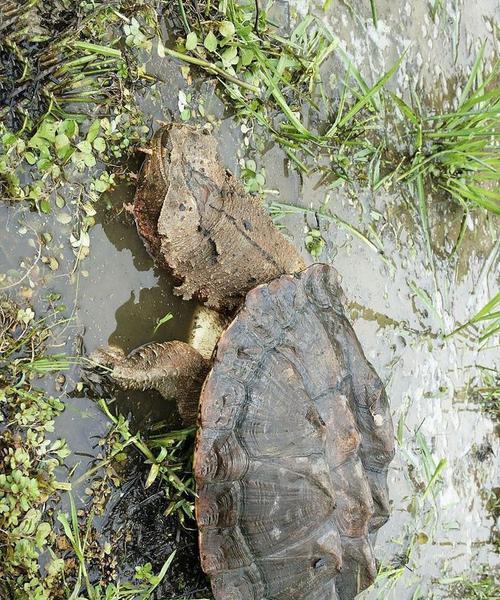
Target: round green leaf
(9, 139)
(210, 42)
(61, 141)
(230, 56)
(247, 56)
(30, 158)
(191, 41)
(422, 538)
(71, 127)
(93, 131)
(100, 186)
(99, 144)
(64, 218)
(62, 145)
(44, 206)
(84, 147)
(89, 160)
(227, 29)
(44, 164)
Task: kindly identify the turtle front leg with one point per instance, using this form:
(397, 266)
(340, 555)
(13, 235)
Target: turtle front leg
(174, 369)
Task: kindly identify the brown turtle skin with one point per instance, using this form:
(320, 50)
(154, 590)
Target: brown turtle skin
(199, 223)
(174, 369)
(294, 440)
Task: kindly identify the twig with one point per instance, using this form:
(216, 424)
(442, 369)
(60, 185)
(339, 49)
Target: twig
(6, 287)
(210, 67)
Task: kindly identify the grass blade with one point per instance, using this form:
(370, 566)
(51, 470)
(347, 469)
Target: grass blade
(373, 90)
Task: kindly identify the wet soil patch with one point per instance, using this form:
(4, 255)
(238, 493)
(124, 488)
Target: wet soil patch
(142, 533)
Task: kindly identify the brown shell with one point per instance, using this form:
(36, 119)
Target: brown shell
(292, 451)
(197, 221)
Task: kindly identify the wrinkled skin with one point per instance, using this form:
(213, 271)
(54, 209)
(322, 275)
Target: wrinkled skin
(197, 220)
(295, 434)
(174, 369)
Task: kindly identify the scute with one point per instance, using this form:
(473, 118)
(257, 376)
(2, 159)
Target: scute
(224, 458)
(293, 446)
(282, 505)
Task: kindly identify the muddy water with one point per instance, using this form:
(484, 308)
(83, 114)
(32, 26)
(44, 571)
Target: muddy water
(116, 295)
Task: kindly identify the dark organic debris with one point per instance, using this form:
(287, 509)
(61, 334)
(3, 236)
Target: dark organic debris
(50, 63)
(30, 58)
(141, 533)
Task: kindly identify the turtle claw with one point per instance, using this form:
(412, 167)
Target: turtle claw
(174, 369)
(99, 367)
(107, 356)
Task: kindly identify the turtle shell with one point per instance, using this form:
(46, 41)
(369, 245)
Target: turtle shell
(292, 450)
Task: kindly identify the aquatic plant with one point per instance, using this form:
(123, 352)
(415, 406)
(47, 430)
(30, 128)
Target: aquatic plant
(424, 472)
(278, 210)
(457, 152)
(171, 465)
(58, 56)
(485, 323)
(142, 588)
(481, 585)
(64, 133)
(485, 392)
(32, 524)
(273, 78)
(66, 106)
(28, 457)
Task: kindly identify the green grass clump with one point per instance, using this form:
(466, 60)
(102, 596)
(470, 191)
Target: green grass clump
(457, 152)
(424, 473)
(474, 586)
(277, 79)
(83, 587)
(486, 392)
(484, 324)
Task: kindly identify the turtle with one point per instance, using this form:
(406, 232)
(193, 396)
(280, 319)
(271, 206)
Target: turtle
(294, 430)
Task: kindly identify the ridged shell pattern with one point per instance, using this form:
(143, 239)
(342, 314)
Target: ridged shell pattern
(293, 446)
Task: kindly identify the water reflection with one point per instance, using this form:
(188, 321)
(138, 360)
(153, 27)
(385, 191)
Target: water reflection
(122, 300)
